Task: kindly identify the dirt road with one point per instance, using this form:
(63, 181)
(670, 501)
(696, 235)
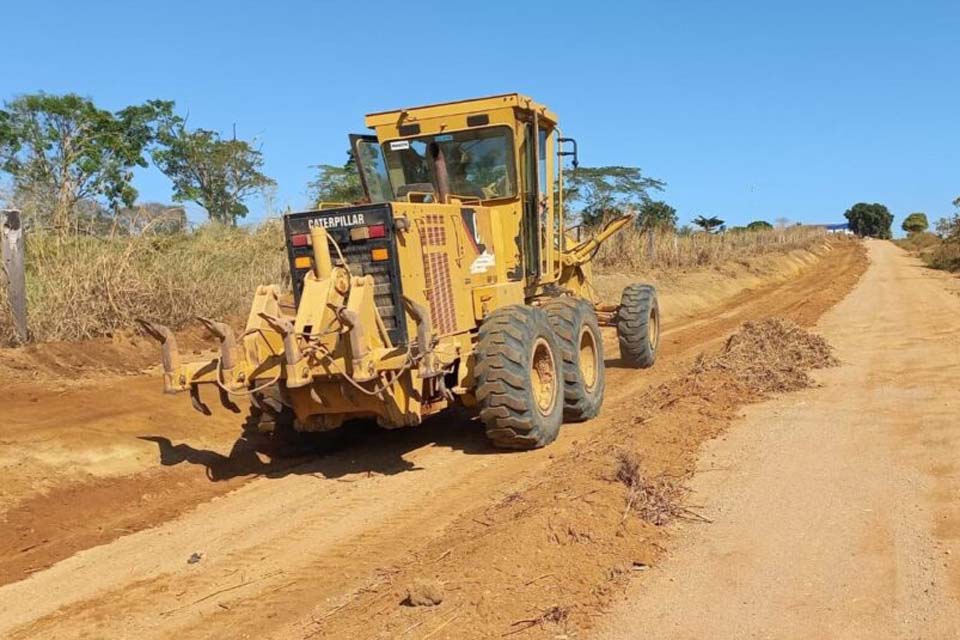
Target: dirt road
(315, 547)
(836, 510)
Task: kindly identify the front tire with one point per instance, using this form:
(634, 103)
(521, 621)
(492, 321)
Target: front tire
(519, 378)
(638, 326)
(581, 344)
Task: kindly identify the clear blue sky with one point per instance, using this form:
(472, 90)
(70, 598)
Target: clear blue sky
(746, 109)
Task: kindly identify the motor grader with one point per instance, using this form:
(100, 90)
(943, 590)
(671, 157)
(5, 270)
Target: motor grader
(455, 280)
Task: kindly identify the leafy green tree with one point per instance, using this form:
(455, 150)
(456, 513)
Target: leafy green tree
(63, 149)
(656, 214)
(758, 225)
(336, 184)
(915, 223)
(217, 174)
(872, 220)
(710, 225)
(599, 192)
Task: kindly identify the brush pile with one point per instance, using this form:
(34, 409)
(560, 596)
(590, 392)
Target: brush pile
(769, 356)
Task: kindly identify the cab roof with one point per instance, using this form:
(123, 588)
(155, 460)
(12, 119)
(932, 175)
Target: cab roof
(457, 107)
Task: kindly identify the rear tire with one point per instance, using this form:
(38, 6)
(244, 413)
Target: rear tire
(638, 326)
(581, 344)
(519, 378)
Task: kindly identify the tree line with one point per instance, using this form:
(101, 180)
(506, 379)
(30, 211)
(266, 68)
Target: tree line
(71, 166)
(875, 220)
(591, 196)
(72, 163)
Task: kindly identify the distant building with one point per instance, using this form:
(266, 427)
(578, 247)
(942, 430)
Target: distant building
(843, 228)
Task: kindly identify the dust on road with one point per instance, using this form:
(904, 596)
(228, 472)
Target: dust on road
(836, 510)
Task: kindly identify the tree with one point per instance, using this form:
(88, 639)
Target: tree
(219, 175)
(656, 214)
(872, 220)
(915, 223)
(600, 192)
(710, 225)
(63, 149)
(948, 227)
(758, 225)
(337, 184)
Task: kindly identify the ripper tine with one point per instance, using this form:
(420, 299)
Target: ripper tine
(228, 342)
(291, 348)
(280, 325)
(170, 355)
(218, 329)
(156, 331)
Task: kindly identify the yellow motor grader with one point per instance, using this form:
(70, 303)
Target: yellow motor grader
(455, 281)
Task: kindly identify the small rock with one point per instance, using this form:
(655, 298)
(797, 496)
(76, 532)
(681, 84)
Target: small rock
(194, 558)
(424, 593)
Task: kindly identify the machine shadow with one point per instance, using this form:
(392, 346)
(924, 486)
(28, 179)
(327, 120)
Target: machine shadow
(358, 447)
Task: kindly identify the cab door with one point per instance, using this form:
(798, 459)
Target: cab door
(368, 156)
(539, 218)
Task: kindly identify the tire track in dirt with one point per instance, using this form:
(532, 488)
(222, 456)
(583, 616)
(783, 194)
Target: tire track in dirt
(286, 546)
(118, 428)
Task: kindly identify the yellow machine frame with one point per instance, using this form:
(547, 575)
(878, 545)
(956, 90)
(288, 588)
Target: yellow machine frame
(332, 358)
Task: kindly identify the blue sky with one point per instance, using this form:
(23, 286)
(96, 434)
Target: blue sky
(746, 109)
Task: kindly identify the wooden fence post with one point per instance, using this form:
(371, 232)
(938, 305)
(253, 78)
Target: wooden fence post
(14, 274)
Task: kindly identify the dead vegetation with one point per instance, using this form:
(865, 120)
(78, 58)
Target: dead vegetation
(936, 252)
(770, 355)
(633, 249)
(84, 287)
(657, 500)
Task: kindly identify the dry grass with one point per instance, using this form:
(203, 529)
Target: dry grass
(87, 287)
(630, 250)
(945, 256)
(918, 241)
(657, 500)
(936, 252)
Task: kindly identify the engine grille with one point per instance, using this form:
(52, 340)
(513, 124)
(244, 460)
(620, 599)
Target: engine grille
(358, 257)
(358, 254)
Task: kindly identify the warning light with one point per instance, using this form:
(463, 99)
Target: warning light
(379, 255)
(377, 231)
(300, 240)
(302, 262)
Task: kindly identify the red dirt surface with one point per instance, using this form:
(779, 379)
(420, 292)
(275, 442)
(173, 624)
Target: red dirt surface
(115, 486)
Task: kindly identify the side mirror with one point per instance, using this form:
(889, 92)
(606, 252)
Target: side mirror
(563, 152)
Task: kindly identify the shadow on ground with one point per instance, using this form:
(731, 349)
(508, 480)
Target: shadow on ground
(357, 447)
